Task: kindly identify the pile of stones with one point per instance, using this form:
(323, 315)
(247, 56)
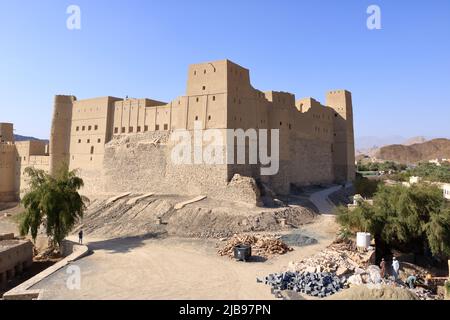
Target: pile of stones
(338, 258)
(314, 284)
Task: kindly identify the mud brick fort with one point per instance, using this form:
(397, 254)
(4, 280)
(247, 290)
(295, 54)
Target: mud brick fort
(123, 144)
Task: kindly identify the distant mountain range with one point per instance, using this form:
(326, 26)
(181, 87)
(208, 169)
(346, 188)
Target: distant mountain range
(416, 152)
(370, 145)
(18, 137)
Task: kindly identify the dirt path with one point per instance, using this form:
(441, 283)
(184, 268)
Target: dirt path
(322, 202)
(173, 268)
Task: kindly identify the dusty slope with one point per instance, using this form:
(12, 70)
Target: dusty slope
(207, 218)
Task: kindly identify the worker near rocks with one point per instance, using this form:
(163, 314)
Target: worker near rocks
(383, 268)
(395, 268)
(411, 281)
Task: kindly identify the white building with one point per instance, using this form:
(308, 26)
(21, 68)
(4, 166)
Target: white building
(446, 188)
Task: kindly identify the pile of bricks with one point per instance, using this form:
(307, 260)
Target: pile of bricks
(314, 284)
(263, 246)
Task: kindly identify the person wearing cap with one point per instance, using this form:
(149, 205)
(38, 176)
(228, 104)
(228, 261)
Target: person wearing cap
(395, 268)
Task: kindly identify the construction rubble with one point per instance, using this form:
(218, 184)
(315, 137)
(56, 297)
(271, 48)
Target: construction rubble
(262, 246)
(341, 265)
(314, 284)
(339, 258)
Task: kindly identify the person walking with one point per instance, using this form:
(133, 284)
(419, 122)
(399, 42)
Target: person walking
(395, 268)
(80, 237)
(383, 268)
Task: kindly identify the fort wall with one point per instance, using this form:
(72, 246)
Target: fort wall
(124, 144)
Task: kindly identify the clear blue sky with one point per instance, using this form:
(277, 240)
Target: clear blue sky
(399, 76)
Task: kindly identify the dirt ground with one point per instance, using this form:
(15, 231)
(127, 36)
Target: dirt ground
(8, 214)
(175, 268)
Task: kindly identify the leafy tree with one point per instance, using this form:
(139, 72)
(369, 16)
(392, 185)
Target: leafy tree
(412, 219)
(364, 186)
(53, 201)
(432, 172)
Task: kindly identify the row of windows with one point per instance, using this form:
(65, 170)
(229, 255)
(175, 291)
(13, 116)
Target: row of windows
(85, 109)
(198, 99)
(204, 71)
(209, 118)
(236, 72)
(89, 128)
(317, 130)
(89, 140)
(264, 121)
(139, 129)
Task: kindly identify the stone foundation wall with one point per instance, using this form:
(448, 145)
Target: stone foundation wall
(142, 163)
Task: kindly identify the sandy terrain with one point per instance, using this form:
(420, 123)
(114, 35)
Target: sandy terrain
(175, 268)
(7, 224)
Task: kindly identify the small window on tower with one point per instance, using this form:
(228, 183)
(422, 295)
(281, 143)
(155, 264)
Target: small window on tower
(166, 127)
(209, 117)
(214, 98)
(116, 130)
(130, 129)
(96, 127)
(99, 140)
(78, 128)
(89, 128)
(196, 117)
(145, 128)
(157, 127)
(123, 129)
(138, 129)
(83, 128)
(88, 140)
(204, 88)
(196, 99)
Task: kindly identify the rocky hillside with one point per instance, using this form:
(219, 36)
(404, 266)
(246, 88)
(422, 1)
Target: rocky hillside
(18, 137)
(437, 148)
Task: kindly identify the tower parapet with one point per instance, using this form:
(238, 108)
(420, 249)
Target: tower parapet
(60, 131)
(6, 132)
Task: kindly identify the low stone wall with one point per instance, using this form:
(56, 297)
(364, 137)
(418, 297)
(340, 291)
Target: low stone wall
(23, 292)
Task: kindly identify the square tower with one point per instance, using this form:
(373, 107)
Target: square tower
(344, 144)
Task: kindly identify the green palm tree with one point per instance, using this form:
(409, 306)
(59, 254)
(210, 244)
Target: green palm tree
(54, 202)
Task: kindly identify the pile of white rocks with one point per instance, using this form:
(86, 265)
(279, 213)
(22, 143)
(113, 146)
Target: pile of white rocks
(339, 258)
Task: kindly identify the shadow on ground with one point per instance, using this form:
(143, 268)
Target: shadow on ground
(123, 244)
